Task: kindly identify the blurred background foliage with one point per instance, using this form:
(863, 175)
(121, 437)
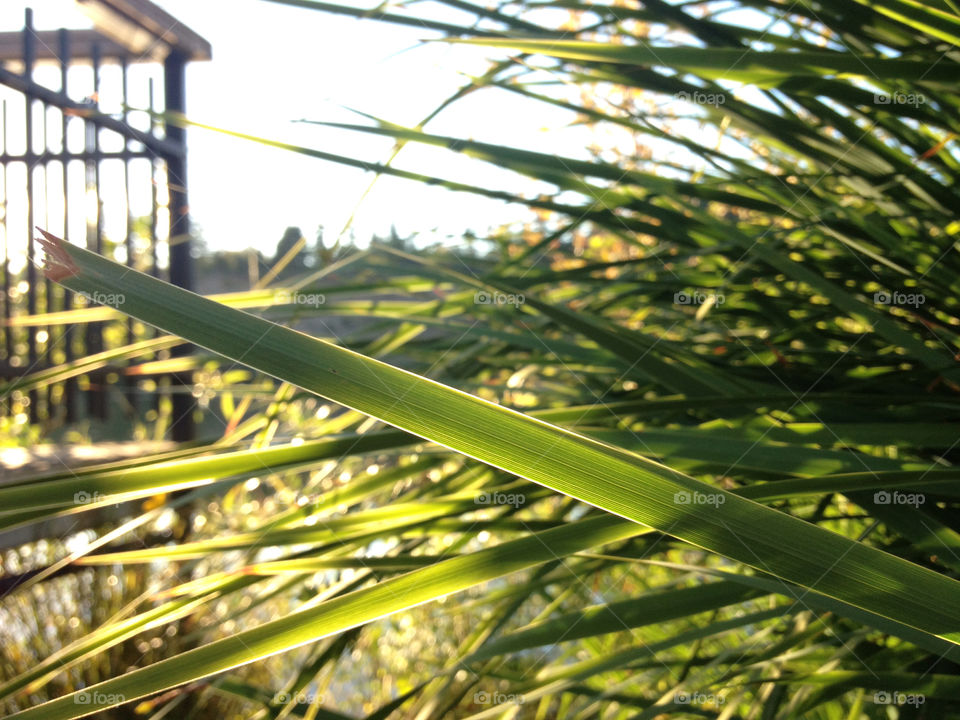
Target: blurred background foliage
(750, 275)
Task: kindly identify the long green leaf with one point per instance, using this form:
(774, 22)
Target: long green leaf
(599, 474)
(736, 64)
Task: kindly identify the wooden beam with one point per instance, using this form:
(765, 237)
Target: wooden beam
(47, 42)
(144, 28)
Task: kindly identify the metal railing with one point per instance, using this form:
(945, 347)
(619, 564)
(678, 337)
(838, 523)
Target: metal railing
(80, 172)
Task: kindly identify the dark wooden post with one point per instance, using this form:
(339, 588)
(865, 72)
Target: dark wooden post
(181, 262)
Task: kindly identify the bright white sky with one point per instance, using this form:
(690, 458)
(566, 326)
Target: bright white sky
(275, 64)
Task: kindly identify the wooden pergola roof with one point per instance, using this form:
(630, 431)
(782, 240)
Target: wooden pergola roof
(138, 30)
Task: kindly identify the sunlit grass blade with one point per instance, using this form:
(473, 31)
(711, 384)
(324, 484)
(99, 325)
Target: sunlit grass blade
(752, 66)
(596, 473)
(339, 614)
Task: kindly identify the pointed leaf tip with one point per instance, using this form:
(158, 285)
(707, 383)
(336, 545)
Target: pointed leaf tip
(58, 264)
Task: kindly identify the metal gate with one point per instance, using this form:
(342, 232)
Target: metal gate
(86, 156)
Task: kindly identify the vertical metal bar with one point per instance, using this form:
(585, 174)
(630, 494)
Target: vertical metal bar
(155, 206)
(128, 380)
(29, 59)
(95, 399)
(43, 168)
(7, 300)
(70, 386)
(155, 398)
(181, 270)
(100, 394)
(128, 240)
(96, 148)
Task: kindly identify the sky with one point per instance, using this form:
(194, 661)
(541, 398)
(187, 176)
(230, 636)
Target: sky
(274, 65)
